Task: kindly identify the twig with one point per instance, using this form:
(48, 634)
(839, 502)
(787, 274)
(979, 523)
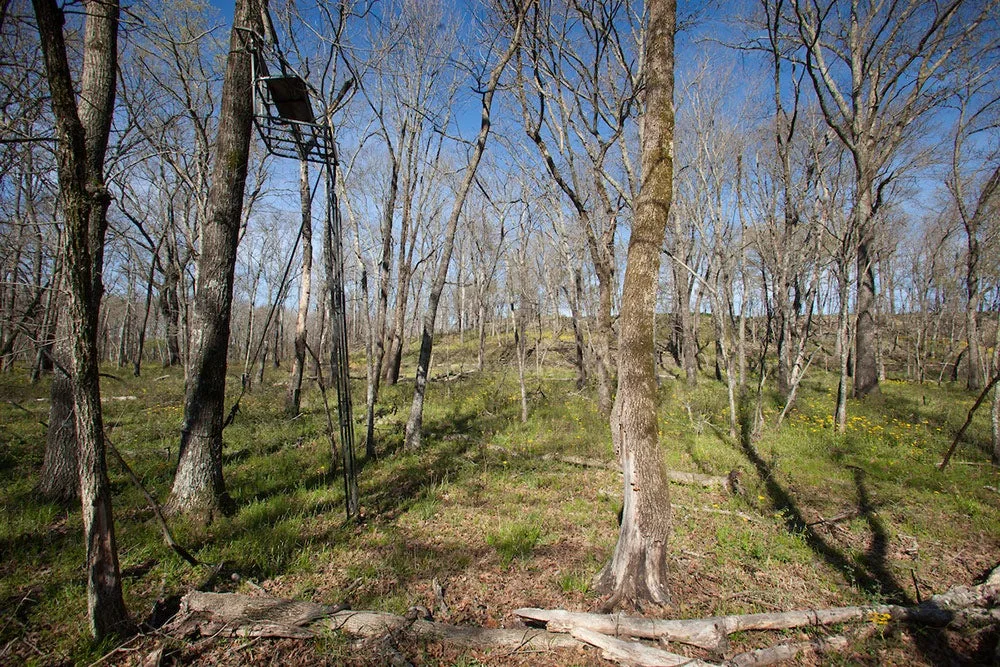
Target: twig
(160, 520)
(968, 420)
(834, 520)
(21, 407)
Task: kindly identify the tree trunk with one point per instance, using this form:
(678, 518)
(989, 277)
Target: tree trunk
(82, 136)
(602, 339)
(404, 262)
(481, 328)
(975, 378)
(637, 572)
(865, 340)
(843, 330)
(170, 306)
(995, 414)
(126, 326)
(414, 423)
(377, 335)
(199, 490)
(684, 319)
(247, 377)
(141, 343)
(293, 397)
(50, 322)
(58, 479)
(574, 299)
(521, 353)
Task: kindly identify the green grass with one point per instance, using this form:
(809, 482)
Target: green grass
(497, 525)
(515, 539)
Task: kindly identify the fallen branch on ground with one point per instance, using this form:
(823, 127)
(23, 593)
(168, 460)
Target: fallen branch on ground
(712, 633)
(633, 653)
(231, 614)
(727, 482)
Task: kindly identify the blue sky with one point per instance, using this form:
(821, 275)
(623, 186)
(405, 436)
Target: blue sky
(225, 6)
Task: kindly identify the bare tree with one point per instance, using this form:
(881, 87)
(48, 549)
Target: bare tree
(875, 68)
(488, 87)
(974, 184)
(199, 489)
(82, 133)
(577, 88)
(637, 572)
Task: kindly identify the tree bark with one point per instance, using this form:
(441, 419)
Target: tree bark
(865, 339)
(293, 397)
(58, 479)
(637, 572)
(82, 135)
(199, 489)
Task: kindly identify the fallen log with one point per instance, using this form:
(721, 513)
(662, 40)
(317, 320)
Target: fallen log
(712, 633)
(787, 651)
(634, 653)
(643, 655)
(232, 614)
(725, 482)
(370, 623)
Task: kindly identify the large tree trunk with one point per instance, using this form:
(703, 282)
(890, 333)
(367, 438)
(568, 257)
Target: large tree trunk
(199, 489)
(82, 136)
(637, 572)
(58, 479)
(293, 397)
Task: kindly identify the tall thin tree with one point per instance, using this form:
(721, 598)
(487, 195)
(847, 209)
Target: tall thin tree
(83, 126)
(415, 421)
(199, 489)
(637, 572)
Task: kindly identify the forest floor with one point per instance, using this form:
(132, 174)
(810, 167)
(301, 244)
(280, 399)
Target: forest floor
(483, 514)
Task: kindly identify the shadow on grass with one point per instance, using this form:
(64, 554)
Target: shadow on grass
(874, 578)
(438, 460)
(873, 575)
(906, 409)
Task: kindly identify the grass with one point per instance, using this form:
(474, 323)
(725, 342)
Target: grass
(515, 539)
(481, 511)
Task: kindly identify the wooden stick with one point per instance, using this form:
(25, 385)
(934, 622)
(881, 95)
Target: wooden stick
(968, 420)
(634, 653)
